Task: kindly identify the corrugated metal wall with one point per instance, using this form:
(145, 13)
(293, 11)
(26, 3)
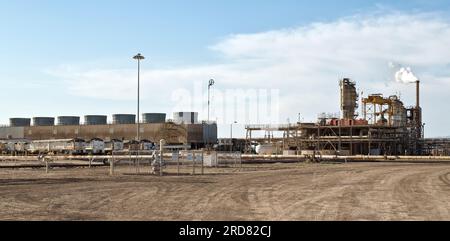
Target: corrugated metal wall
(172, 133)
(12, 132)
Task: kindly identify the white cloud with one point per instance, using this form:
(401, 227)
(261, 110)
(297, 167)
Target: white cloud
(304, 63)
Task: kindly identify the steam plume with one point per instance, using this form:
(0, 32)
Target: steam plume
(405, 75)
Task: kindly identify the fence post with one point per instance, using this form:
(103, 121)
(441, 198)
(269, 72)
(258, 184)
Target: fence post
(203, 163)
(161, 153)
(193, 163)
(138, 171)
(217, 159)
(240, 159)
(111, 165)
(130, 162)
(178, 165)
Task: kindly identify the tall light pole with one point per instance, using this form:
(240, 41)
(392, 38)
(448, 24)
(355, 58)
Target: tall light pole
(210, 84)
(138, 57)
(231, 136)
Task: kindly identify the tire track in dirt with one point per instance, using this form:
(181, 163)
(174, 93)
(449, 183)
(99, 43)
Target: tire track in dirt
(370, 197)
(445, 178)
(306, 192)
(313, 199)
(418, 194)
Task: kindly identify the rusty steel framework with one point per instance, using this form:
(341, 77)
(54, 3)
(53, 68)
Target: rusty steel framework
(345, 140)
(436, 146)
(386, 128)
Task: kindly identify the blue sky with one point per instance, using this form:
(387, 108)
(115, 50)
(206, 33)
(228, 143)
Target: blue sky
(40, 38)
(172, 31)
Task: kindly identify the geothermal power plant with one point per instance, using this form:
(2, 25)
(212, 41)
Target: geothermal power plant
(370, 162)
(386, 126)
(368, 125)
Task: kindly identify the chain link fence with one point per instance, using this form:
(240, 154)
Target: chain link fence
(172, 162)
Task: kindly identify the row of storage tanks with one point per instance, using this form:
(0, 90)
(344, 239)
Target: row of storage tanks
(147, 118)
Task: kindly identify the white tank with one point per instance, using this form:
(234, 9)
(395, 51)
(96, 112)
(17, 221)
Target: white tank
(265, 149)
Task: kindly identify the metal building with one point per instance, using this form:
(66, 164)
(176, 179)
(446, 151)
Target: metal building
(185, 117)
(96, 126)
(210, 133)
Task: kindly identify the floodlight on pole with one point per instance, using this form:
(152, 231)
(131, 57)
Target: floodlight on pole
(231, 135)
(139, 57)
(210, 84)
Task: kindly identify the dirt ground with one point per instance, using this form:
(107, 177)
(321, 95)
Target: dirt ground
(361, 191)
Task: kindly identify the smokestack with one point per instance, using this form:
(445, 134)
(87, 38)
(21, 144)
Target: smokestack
(418, 93)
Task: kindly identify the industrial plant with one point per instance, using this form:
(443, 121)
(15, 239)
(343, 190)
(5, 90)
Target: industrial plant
(373, 125)
(183, 129)
(386, 126)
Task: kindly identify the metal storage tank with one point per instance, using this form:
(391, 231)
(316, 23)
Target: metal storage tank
(68, 120)
(185, 117)
(154, 118)
(266, 149)
(349, 99)
(120, 119)
(43, 121)
(95, 120)
(210, 133)
(19, 122)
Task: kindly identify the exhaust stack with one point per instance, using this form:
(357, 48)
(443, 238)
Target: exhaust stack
(418, 112)
(418, 94)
